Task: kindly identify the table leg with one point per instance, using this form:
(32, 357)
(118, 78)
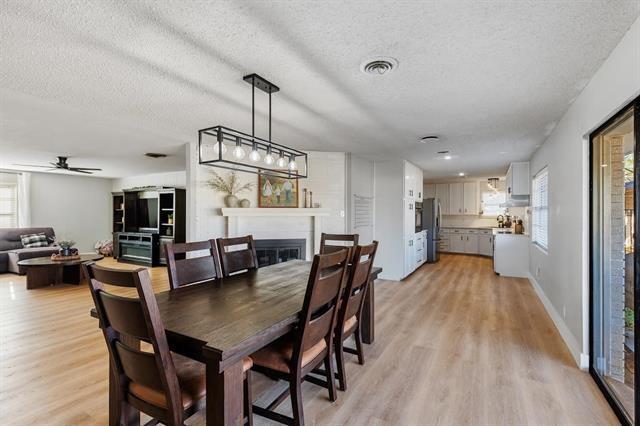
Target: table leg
(43, 276)
(71, 274)
(367, 327)
(121, 413)
(224, 394)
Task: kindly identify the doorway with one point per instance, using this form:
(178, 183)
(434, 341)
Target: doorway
(614, 259)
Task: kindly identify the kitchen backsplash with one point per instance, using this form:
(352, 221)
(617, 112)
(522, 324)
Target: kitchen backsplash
(481, 222)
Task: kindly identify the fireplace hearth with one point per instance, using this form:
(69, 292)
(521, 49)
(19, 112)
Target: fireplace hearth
(275, 251)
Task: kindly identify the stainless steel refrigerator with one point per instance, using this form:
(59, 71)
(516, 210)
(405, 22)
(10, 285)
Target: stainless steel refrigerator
(431, 217)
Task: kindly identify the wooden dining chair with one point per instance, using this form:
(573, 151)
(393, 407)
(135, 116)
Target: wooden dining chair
(184, 270)
(236, 260)
(348, 241)
(295, 355)
(164, 385)
(350, 311)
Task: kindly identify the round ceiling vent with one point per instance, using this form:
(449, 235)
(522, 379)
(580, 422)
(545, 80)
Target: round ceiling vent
(379, 66)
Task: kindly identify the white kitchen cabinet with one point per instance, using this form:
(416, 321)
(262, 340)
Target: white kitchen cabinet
(418, 249)
(409, 255)
(470, 243)
(511, 255)
(429, 191)
(442, 193)
(413, 183)
(409, 217)
(456, 198)
(470, 198)
(485, 245)
(419, 183)
(518, 180)
(456, 243)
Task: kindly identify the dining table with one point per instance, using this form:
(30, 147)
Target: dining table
(219, 322)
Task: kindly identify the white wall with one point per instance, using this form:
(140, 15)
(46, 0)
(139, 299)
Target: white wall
(76, 207)
(562, 275)
(170, 179)
(327, 181)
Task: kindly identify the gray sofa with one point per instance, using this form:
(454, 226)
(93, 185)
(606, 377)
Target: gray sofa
(11, 250)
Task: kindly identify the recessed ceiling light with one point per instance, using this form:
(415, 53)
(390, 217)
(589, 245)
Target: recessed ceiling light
(429, 138)
(155, 155)
(379, 65)
(447, 157)
(461, 174)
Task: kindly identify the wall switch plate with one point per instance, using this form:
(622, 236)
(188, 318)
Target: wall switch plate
(538, 271)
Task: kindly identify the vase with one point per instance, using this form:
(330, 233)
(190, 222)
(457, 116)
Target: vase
(231, 201)
(244, 203)
(65, 251)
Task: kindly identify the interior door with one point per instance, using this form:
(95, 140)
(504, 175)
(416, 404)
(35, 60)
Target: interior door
(614, 259)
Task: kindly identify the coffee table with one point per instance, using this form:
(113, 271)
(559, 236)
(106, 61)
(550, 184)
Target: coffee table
(43, 272)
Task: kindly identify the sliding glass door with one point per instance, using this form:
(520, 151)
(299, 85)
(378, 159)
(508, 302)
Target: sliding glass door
(614, 256)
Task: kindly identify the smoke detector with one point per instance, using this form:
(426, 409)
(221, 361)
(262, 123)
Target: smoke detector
(380, 65)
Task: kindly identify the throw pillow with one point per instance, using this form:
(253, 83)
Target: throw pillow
(34, 240)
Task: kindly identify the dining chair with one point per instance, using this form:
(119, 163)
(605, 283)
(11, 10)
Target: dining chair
(237, 259)
(350, 310)
(184, 270)
(348, 241)
(164, 385)
(298, 353)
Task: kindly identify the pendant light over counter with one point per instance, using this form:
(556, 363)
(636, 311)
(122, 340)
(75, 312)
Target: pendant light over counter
(227, 148)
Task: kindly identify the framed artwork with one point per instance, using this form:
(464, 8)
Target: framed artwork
(276, 191)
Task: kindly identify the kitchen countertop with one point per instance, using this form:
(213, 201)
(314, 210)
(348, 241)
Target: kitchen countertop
(467, 227)
(496, 231)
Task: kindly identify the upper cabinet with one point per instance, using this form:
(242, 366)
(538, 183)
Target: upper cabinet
(456, 198)
(517, 183)
(442, 193)
(413, 185)
(470, 204)
(429, 191)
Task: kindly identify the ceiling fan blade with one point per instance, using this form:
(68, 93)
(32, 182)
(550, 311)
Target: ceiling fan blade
(76, 170)
(84, 168)
(29, 165)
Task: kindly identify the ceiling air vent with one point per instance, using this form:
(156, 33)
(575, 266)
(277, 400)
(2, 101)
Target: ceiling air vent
(379, 66)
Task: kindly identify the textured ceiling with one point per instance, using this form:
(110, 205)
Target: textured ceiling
(106, 81)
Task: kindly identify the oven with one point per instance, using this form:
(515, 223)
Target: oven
(418, 211)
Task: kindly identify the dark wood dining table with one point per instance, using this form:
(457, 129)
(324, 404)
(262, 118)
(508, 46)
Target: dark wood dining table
(220, 322)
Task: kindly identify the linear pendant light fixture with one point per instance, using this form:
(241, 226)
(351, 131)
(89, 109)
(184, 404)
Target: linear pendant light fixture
(227, 148)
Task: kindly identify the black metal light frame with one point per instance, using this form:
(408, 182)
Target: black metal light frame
(222, 134)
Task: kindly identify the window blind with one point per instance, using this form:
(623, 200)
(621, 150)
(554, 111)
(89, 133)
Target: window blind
(8, 205)
(540, 209)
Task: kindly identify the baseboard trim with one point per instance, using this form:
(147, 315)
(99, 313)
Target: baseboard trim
(581, 359)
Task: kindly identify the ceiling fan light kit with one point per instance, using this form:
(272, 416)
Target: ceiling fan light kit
(227, 148)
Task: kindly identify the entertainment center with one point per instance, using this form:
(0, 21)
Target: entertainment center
(144, 220)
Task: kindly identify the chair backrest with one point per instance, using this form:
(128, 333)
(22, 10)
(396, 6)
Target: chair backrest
(184, 270)
(348, 241)
(357, 283)
(319, 311)
(124, 320)
(236, 259)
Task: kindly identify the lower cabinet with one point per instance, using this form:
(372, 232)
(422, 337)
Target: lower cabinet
(468, 241)
(409, 255)
(471, 244)
(456, 243)
(485, 245)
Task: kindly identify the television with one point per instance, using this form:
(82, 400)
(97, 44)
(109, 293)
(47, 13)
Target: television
(148, 211)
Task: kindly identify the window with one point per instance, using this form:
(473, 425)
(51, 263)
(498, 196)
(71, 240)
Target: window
(8, 205)
(540, 209)
(492, 194)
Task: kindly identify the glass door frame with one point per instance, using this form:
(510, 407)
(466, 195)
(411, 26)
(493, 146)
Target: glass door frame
(615, 404)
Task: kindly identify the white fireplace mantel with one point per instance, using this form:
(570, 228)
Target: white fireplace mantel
(234, 215)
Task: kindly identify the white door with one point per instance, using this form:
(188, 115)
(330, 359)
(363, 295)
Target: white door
(456, 243)
(471, 198)
(442, 192)
(456, 198)
(485, 245)
(471, 243)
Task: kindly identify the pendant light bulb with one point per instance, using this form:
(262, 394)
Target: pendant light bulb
(292, 164)
(281, 163)
(219, 145)
(238, 151)
(268, 159)
(254, 155)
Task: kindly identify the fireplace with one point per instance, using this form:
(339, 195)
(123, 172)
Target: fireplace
(271, 252)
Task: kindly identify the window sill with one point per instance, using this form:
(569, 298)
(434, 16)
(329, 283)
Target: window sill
(544, 250)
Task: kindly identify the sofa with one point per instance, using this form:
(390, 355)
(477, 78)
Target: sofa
(11, 250)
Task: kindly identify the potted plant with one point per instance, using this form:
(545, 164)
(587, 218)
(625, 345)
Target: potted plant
(170, 219)
(229, 185)
(66, 247)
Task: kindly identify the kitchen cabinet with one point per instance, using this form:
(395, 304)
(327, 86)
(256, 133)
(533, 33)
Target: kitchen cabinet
(413, 183)
(511, 256)
(442, 193)
(456, 243)
(470, 198)
(418, 249)
(518, 183)
(470, 243)
(409, 255)
(456, 198)
(485, 245)
(429, 191)
(409, 217)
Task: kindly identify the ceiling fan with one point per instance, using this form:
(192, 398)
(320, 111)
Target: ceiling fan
(63, 165)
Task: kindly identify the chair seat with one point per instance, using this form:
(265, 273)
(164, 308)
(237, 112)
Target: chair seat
(277, 356)
(349, 324)
(191, 378)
